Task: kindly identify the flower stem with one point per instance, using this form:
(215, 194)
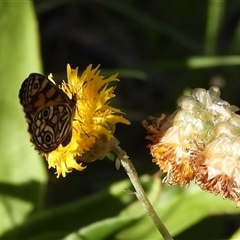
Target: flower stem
(141, 196)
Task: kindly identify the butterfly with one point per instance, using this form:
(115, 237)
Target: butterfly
(48, 111)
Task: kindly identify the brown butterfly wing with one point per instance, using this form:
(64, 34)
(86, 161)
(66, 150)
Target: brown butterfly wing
(48, 111)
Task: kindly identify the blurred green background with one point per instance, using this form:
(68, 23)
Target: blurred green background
(161, 49)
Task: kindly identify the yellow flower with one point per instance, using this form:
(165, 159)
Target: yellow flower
(201, 141)
(93, 124)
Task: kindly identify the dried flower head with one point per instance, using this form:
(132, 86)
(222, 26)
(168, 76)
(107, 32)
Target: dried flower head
(201, 141)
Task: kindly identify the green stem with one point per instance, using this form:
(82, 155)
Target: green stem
(141, 196)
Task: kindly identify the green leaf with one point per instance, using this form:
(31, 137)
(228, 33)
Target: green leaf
(178, 208)
(236, 235)
(64, 220)
(215, 17)
(114, 214)
(22, 175)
